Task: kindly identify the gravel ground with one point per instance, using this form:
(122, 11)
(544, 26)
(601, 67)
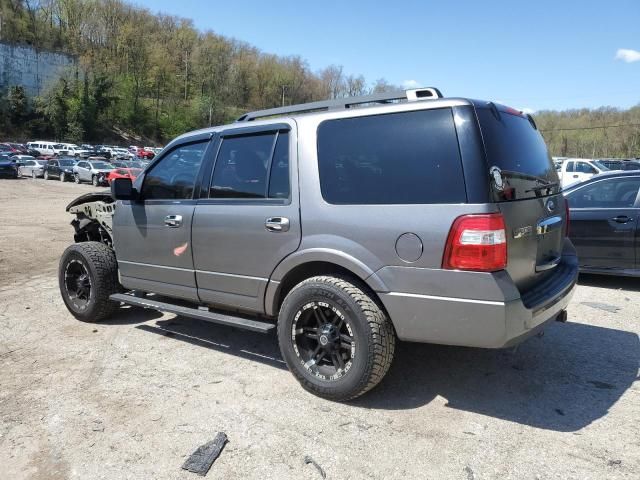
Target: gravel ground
(134, 396)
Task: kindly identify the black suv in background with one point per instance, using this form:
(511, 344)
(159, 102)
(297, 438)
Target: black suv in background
(60, 168)
(621, 164)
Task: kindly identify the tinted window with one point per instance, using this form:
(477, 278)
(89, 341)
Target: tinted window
(101, 165)
(570, 166)
(279, 177)
(399, 158)
(583, 167)
(519, 153)
(174, 176)
(67, 163)
(241, 167)
(612, 193)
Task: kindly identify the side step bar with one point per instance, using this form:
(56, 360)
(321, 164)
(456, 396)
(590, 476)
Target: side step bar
(208, 316)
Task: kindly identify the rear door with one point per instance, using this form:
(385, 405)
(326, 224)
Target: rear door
(604, 222)
(526, 188)
(247, 219)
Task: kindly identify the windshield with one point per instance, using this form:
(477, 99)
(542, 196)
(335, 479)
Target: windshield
(67, 163)
(517, 157)
(41, 162)
(601, 166)
(101, 165)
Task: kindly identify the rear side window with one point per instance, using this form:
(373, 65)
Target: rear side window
(252, 166)
(517, 157)
(611, 193)
(398, 158)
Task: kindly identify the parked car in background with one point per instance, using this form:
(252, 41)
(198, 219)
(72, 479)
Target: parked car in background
(617, 164)
(72, 150)
(60, 168)
(126, 172)
(94, 171)
(576, 170)
(604, 214)
(9, 148)
(32, 167)
(145, 154)
(8, 167)
(19, 159)
(44, 148)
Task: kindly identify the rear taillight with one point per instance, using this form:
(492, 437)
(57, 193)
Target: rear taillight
(567, 218)
(478, 243)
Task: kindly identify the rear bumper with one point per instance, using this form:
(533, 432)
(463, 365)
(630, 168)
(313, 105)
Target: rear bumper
(474, 309)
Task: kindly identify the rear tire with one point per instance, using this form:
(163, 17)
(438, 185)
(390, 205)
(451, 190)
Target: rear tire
(33, 174)
(333, 318)
(46, 175)
(87, 276)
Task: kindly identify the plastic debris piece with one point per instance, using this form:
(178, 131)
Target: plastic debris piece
(309, 460)
(201, 460)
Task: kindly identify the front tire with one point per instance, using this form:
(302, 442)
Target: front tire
(94, 180)
(336, 340)
(76, 178)
(87, 276)
(63, 177)
(33, 174)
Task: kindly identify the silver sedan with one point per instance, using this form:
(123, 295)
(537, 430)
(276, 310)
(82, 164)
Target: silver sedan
(30, 167)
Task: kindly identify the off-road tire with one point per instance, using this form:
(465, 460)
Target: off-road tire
(102, 267)
(373, 332)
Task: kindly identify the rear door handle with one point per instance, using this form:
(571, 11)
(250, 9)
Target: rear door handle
(277, 224)
(622, 219)
(173, 221)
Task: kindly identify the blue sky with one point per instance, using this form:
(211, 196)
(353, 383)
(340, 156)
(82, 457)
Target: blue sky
(531, 55)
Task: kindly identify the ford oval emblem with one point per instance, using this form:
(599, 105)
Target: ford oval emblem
(551, 206)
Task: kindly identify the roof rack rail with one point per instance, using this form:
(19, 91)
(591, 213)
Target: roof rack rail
(344, 103)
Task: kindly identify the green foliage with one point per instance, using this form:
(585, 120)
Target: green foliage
(601, 133)
(152, 75)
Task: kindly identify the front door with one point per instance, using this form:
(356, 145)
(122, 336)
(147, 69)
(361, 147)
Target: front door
(153, 234)
(604, 220)
(249, 219)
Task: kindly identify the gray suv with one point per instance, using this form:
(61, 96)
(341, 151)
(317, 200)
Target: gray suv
(344, 226)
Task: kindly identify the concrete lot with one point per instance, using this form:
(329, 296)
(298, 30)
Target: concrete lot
(134, 396)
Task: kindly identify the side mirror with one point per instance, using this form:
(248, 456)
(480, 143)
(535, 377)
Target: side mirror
(122, 189)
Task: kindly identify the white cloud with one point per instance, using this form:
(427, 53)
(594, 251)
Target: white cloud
(627, 55)
(409, 84)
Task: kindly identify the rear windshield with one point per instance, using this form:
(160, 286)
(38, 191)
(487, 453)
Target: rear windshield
(397, 158)
(519, 164)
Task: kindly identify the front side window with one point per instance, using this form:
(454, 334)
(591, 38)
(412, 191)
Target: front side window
(611, 193)
(174, 176)
(570, 166)
(252, 166)
(583, 167)
(398, 158)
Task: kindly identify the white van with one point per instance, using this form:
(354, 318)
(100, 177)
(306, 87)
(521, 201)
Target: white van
(44, 148)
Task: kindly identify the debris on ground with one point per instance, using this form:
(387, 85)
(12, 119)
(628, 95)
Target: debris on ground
(308, 460)
(201, 460)
(602, 306)
(470, 473)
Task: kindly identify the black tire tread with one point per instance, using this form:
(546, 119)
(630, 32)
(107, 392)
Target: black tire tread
(380, 350)
(103, 260)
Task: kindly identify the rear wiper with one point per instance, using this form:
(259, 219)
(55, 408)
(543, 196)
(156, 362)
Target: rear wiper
(543, 187)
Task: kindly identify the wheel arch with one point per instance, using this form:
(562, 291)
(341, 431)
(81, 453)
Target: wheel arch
(303, 265)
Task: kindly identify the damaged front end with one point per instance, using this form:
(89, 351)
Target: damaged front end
(94, 213)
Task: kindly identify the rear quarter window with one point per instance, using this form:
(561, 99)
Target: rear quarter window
(397, 158)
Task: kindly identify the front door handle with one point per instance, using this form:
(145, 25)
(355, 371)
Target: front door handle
(277, 224)
(173, 221)
(621, 219)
